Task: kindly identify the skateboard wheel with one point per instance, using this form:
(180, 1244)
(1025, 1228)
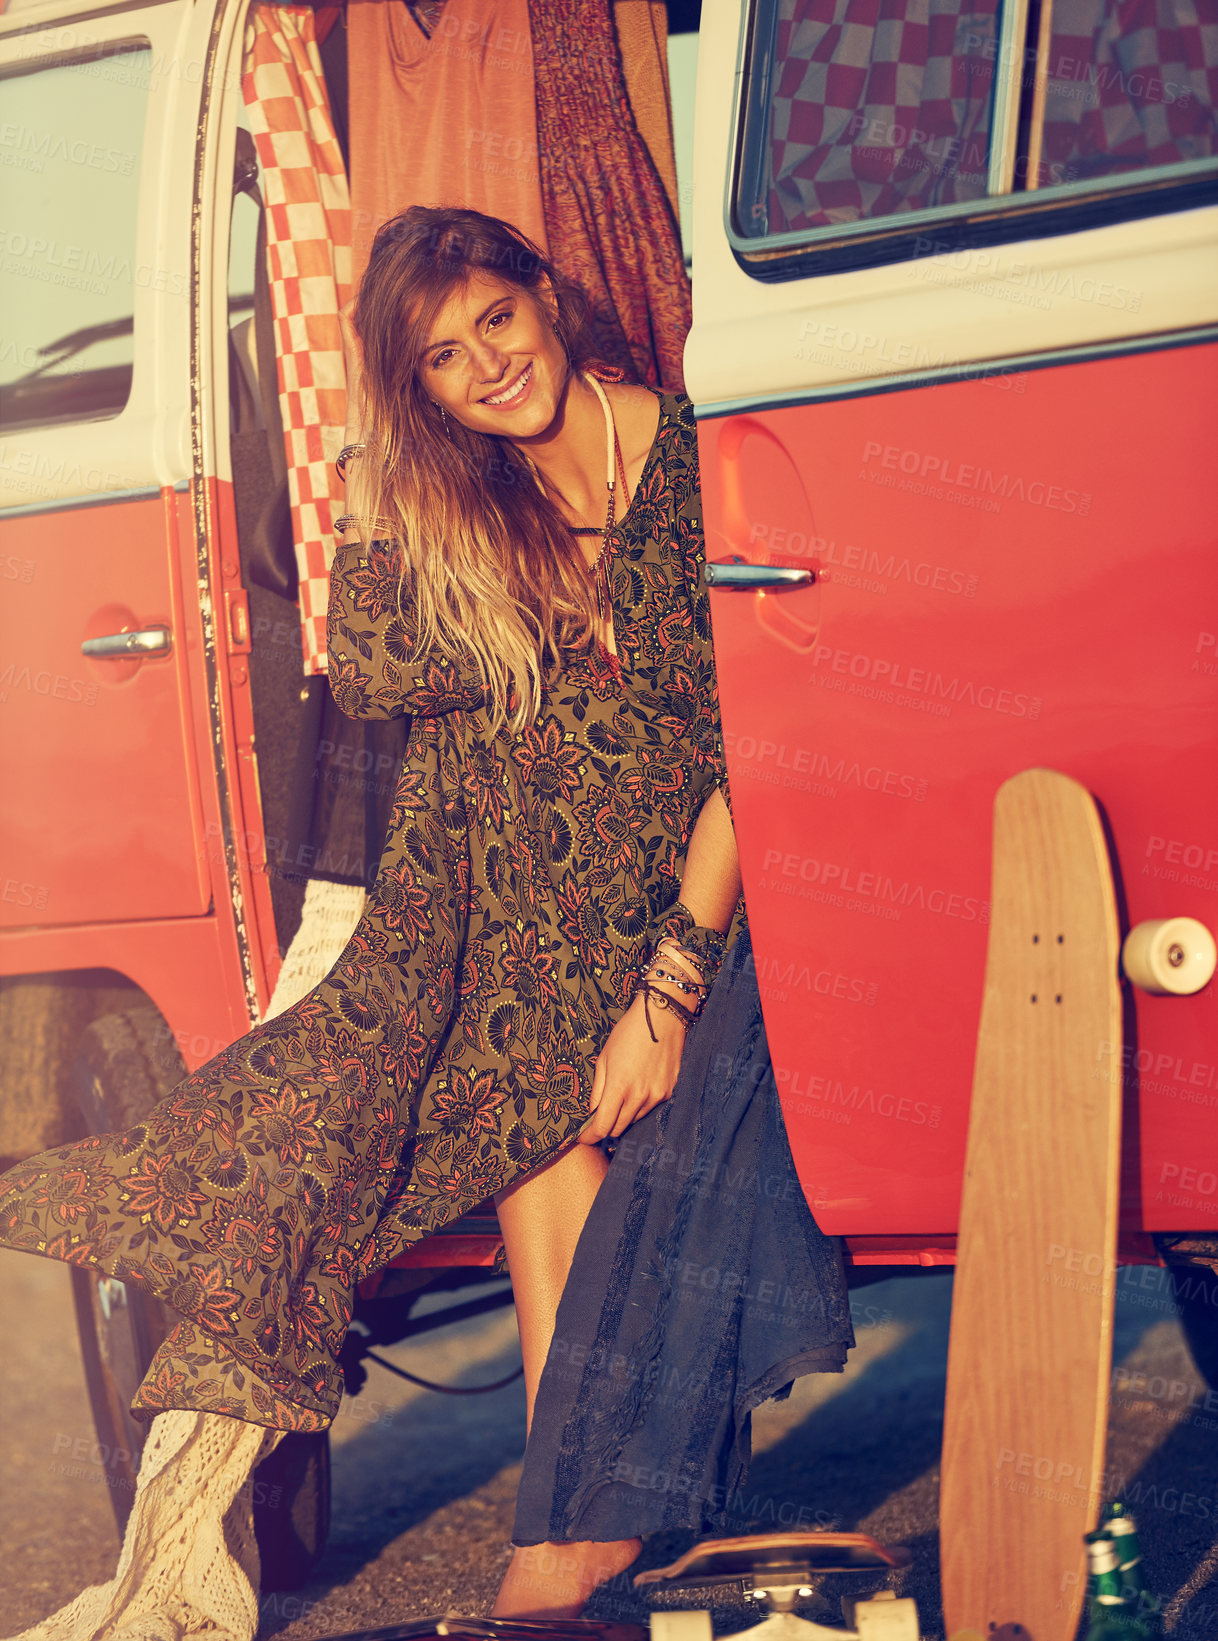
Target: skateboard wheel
(885, 1619)
(668, 1626)
(1170, 956)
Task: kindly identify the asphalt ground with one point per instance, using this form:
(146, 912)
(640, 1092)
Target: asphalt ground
(424, 1484)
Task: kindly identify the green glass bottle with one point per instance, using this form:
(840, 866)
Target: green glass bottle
(1100, 1536)
(1122, 1529)
(1110, 1617)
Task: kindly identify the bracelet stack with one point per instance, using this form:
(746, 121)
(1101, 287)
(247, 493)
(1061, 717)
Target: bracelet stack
(680, 931)
(348, 453)
(666, 959)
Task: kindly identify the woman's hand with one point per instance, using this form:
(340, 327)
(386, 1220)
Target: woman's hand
(633, 1074)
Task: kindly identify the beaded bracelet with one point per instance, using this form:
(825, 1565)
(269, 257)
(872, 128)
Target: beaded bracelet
(683, 979)
(348, 519)
(668, 950)
(653, 970)
(345, 455)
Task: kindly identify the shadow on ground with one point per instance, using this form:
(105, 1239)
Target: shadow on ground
(867, 1459)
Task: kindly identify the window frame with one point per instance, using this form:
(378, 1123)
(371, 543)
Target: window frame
(940, 230)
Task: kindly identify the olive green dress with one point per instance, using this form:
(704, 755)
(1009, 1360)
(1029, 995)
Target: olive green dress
(451, 1048)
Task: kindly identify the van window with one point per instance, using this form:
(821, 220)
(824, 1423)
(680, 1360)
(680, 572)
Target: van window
(71, 133)
(1129, 87)
(871, 111)
(856, 114)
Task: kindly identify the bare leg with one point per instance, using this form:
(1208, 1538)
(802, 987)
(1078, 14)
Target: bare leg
(541, 1218)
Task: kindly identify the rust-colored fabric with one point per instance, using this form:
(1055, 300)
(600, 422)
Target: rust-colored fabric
(610, 223)
(442, 121)
(642, 37)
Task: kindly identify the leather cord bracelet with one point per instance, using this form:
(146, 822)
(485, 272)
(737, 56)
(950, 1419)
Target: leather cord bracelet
(687, 1016)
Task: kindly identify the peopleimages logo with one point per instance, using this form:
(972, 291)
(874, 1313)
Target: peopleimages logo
(882, 566)
(902, 684)
(53, 262)
(49, 145)
(804, 873)
(966, 476)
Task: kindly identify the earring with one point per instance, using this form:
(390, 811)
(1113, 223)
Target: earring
(443, 417)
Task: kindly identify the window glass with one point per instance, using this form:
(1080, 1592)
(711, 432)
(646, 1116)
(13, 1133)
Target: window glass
(247, 214)
(874, 108)
(1131, 84)
(70, 140)
(863, 110)
(682, 79)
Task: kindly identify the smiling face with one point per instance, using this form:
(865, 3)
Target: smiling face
(493, 360)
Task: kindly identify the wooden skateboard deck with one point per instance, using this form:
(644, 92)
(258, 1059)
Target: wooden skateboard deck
(1030, 1351)
(757, 1556)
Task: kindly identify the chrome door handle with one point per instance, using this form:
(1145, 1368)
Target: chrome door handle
(736, 575)
(147, 641)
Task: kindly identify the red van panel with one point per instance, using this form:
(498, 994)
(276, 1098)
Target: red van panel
(1013, 572)
(105, 822)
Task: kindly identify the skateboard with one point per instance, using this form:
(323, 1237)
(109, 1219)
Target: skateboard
(1030, 1349)
(453, 1627)
(774, 1570)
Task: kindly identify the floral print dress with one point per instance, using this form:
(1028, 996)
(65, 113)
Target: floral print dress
(451, 1048)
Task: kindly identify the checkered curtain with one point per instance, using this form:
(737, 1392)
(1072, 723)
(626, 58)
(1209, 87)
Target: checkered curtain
(1132, 83)
(879, 106)
(308, 247)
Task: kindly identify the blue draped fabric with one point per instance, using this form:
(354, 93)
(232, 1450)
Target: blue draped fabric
(701, 1287)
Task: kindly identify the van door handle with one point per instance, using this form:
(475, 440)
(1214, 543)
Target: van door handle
(737, 575)
(146, 641)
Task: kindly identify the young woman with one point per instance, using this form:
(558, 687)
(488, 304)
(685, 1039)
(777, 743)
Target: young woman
(519, 571)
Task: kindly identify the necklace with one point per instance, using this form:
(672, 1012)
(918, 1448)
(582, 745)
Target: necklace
(614, 466)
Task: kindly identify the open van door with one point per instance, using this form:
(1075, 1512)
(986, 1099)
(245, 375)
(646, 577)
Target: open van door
(954, 353)
(131, 834)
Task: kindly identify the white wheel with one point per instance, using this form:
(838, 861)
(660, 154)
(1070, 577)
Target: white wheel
(1170, 956)
(885, 1619)
(695, 1626)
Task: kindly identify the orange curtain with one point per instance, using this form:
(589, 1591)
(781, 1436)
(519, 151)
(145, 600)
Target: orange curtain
(308, 248)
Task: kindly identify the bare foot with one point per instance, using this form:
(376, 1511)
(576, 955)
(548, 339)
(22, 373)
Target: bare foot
(555, 1580)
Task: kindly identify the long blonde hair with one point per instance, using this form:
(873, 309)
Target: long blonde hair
(489, 569)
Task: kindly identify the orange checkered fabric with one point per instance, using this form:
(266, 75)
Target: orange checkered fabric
(308, 245)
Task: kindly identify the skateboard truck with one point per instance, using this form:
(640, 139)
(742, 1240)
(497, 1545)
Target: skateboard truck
(775, 1570)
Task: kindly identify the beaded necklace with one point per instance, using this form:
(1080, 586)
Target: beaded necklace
(614, 466)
